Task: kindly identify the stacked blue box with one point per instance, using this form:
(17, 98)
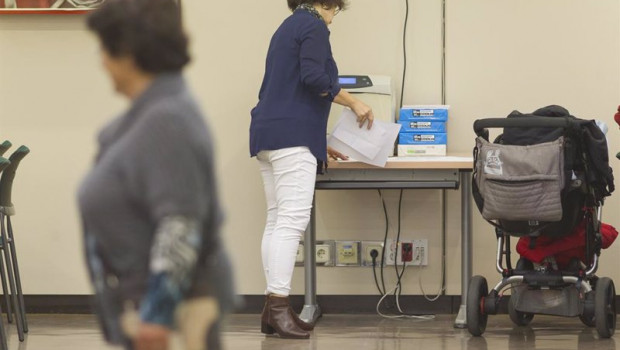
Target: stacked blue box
(423, 131)
(422, 126)
(413, 138)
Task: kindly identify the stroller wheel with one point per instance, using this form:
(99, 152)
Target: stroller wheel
(476, 317)
(587, 317)
(605, 307)
(517, 317)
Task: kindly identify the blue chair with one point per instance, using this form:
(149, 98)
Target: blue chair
(7, 210)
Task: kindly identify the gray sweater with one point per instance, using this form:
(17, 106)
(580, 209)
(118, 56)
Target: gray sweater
(154, 162)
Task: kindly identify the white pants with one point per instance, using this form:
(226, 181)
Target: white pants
(288, 175)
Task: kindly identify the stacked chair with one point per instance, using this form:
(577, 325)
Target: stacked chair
(9, 276)
(4, 163)
(4, 146)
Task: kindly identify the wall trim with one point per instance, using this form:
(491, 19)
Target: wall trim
(253, 304)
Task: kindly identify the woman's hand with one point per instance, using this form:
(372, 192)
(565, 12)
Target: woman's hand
(363, 112)
(152, 337)
(335, 155)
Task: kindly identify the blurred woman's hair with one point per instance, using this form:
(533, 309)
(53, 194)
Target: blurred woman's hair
(149, 31)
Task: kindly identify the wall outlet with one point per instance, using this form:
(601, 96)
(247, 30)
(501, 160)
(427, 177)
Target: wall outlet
(406, 251)
(410, 252)
(324, 253)
(420, 252)
(299, 259)
(369, 246)
(394, 253)
(347, 253)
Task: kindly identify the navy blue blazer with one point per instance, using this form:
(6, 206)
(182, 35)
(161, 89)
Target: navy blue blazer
(300, 83)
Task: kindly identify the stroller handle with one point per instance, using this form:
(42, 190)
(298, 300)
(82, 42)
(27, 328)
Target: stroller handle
(481, 125)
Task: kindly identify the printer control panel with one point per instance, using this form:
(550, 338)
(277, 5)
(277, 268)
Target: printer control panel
(354, 81)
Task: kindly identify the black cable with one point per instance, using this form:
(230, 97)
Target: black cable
(400, 289)
(398, 292)
(386, 301)
(402, 90)
(398, 274)
(443, 52)
(374, 273)
(385, 213)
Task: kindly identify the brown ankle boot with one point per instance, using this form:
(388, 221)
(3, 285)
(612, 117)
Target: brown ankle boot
(301, 323)
(264, 318)
(278, 318)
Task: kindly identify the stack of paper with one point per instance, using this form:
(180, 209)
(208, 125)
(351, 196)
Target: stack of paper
(369, 146)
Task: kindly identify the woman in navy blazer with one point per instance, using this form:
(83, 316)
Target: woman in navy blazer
(288, 137)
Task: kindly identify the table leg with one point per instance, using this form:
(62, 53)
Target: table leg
(466, 246)
(311, 311)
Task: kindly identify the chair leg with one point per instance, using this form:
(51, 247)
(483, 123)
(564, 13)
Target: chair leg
(3, 339)
(18, 281)
(9, 269)
(5, 289)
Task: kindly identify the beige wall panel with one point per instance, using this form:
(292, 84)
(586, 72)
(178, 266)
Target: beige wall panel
(509, 54)
(502, 55)
(53, 98)
(366, 40)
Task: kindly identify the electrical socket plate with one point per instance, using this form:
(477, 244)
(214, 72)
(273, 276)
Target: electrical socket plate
(367, 247)
(299, 259)
(420, 252)
(347, 253)
(324, 253)
(391, 251)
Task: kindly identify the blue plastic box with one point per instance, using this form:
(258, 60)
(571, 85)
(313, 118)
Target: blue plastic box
(424, 113)
(425, 126)
(408, 138)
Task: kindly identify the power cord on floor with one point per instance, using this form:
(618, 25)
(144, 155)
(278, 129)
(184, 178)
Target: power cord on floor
(402, 315)
(442, 288)
(399, 287)
(397, 290)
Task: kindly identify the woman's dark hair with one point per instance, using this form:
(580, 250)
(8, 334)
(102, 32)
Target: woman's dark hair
(341, 4)
(150, 31)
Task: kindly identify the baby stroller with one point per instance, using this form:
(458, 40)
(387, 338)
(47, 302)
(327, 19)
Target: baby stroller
(546, 174)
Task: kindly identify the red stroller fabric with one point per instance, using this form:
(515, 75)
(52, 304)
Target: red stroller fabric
(565, 248)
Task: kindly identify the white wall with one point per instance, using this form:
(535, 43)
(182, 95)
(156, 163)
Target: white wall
(502, 55)
(508, 54)
(53, 98)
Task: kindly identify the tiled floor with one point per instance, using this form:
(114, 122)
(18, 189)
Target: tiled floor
(342, 332)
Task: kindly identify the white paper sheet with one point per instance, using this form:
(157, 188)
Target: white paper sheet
(369, 146)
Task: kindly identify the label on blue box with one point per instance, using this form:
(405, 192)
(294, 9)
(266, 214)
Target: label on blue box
(424, 113)
(408, 138)
(422, 126)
